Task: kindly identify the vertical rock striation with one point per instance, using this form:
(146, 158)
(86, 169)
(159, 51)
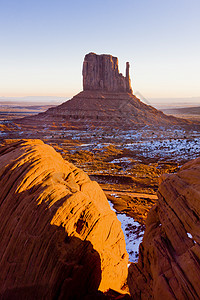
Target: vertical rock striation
(101, 73)
(169, 259)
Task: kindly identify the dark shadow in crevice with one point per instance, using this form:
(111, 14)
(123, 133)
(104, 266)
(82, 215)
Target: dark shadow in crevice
(45, 262)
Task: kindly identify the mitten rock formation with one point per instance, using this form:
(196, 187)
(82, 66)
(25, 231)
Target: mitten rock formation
(169, 258)
(106, 101)
(59, 237)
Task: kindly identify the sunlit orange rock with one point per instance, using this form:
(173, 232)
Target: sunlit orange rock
(59, 237)
(169, 259)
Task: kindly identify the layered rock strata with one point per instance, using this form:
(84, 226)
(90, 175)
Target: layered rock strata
(169, 258)
(59, 237)
(111, 108)
(102, 110)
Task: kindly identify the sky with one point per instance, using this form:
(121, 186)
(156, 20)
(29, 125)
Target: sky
(43, 44)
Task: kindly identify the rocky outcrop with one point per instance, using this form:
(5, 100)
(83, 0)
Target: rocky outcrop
(59, 237)
(101, 73)
(169, 259)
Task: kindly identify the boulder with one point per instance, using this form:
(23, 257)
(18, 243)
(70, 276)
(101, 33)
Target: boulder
(59, 237)
(169, 257)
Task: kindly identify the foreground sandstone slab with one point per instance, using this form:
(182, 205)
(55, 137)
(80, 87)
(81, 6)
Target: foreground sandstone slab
(59, 237)
(169, 259)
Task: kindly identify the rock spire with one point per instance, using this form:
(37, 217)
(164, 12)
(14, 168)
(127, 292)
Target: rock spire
(101, 73)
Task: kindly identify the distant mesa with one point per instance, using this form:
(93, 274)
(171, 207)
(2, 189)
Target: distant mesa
(106, 101)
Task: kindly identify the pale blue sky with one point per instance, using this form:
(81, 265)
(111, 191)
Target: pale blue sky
(43, 44)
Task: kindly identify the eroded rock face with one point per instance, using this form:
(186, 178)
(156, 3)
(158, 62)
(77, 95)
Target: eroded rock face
(59, 237)
(101, 72)
(169, 260)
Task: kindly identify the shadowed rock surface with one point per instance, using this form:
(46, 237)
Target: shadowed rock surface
(59, 237)
(169, 259)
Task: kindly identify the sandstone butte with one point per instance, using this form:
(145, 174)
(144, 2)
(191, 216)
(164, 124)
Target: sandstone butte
(59, 237)
(169, 257)
(106, 101)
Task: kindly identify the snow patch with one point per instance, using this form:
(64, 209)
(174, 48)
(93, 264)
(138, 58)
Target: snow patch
(133, 233)
(189, 235)
(121, 160)
(116, 196)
